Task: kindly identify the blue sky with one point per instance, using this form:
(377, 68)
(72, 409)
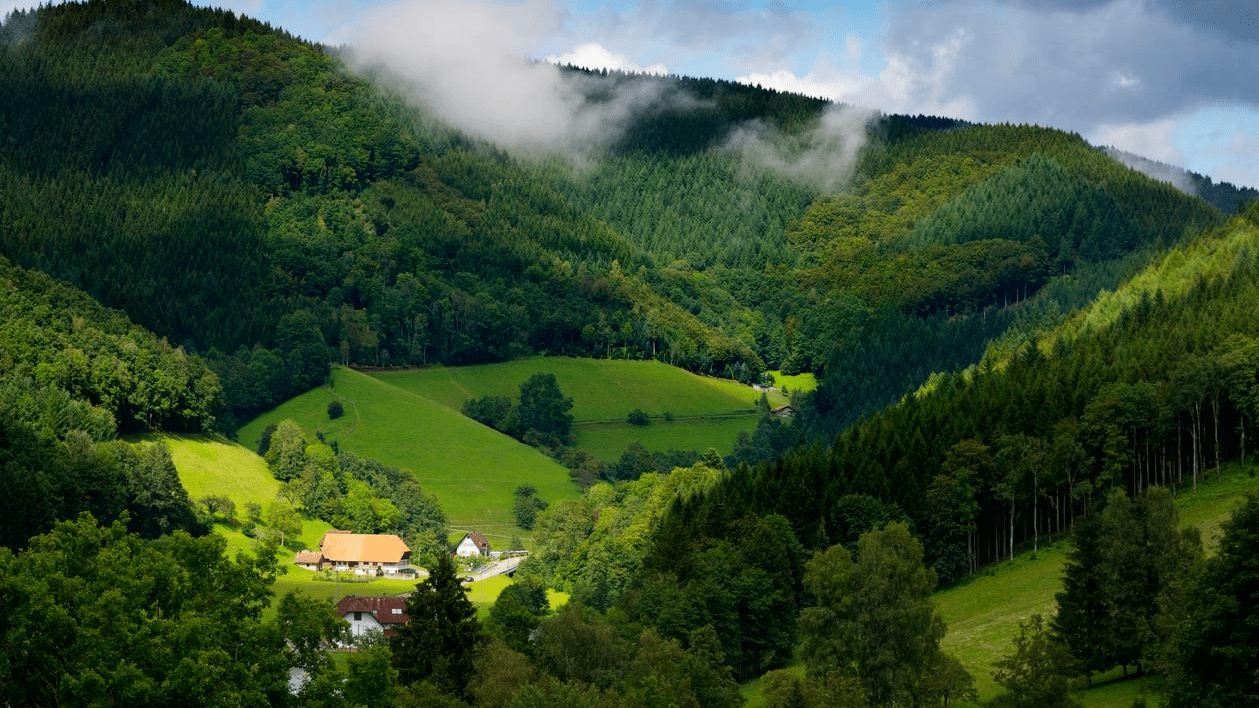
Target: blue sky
(1169, 79)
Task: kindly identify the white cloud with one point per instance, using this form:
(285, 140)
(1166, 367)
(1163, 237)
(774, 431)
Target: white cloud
(1155, 140)
(1076, 66)
(465, 63)
(594, 56)
(905, 85)
(824, 157)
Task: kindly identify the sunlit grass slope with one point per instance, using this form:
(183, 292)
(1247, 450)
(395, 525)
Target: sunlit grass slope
(472, 469)
(794, 383)
(606, 441)
(601, 389)
(983, 615)
(706, 412)
(214, 465)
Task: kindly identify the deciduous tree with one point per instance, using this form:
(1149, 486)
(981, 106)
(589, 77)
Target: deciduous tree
(873, 618)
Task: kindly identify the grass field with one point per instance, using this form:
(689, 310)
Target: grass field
(603, 390)
(472, 469)
(606, 441)
(983, 614)
(706, 412)
(794, 383)
(410, 419)
(215, 465)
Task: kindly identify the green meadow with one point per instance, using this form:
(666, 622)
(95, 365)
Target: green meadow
(606, 441)
(212, 464)
(705, 411)
(603, 390)
(472, 469)
(794, 383)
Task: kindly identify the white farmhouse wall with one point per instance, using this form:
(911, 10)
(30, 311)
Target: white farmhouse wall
(467, 548)
(362, 626)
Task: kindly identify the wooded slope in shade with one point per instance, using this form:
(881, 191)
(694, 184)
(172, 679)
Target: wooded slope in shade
(72, 376)
(1158, 391)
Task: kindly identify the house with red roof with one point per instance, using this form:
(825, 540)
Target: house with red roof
(373, 614)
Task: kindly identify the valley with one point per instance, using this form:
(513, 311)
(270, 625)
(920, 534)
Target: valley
(254, 288)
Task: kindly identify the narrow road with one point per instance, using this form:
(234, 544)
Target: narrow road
(501, 566)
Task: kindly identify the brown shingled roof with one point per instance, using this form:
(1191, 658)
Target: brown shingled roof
(362, 548)
(387, 610)
(308, 557)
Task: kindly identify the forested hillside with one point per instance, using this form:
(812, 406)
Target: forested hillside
(1154, 384)
(1012, 331)
(72, 376)
(239, 192)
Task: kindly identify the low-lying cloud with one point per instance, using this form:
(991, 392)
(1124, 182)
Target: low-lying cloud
(823, 157)
(467, 63)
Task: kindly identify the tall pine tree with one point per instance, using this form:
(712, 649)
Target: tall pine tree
(440, 639)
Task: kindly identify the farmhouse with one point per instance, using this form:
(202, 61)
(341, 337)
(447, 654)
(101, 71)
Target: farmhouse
(358, 552)
(784, 411)
(473, 543)
(373, 614)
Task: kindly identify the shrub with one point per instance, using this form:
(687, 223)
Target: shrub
(335, 409)
(638, 417)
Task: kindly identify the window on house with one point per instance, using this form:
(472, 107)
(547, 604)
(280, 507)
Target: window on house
(358, 616)
(397, 611)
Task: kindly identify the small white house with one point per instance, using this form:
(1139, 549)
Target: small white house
(472, 544)
(368, 614)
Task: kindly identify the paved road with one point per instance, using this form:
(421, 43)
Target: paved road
(499, 567)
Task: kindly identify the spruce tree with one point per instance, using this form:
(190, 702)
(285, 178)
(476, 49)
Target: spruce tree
(1081, 621)
(440, 639)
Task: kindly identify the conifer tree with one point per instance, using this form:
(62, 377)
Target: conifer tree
(1082, 613)
(438, 643)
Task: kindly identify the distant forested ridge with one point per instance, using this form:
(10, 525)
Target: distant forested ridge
(238, 191)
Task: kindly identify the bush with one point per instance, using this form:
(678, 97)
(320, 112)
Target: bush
(335, 409)
(638, 417)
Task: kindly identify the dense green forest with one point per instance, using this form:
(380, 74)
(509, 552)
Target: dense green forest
(1016, 337)
(309, 215)
(73, 375)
